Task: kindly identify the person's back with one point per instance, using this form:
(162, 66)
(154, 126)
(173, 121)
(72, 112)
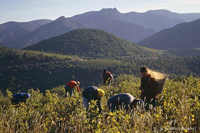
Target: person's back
(20, 97)
(148, 88)
(124, 99)
(107, 77)
(90, 93)
(70, 86)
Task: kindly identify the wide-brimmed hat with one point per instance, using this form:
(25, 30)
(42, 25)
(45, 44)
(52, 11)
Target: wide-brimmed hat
(101, 92)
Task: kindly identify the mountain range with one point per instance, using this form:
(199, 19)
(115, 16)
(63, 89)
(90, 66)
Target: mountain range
(130, 26)
(181, 36)
(161, 19)
(13, 30)
(52, 29)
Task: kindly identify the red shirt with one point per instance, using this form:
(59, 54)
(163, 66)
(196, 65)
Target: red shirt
(73, 84)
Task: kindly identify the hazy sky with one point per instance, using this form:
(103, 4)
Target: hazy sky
(27, 10)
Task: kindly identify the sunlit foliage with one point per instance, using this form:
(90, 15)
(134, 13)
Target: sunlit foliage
(177, 110)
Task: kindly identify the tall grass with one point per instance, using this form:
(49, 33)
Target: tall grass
(177, 110)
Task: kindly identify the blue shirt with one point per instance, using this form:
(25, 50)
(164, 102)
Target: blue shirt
(90, 93)
(20, 97)
(124, 99)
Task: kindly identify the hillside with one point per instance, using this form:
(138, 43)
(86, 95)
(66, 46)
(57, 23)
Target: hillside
(181, 36)
(48, 110)
(184, 52)
(21, 70)
(92, 43)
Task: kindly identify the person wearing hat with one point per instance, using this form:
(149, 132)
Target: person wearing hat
(92, 93)
(125, 100)
(69, 87)
(107, 77)
(148, 88)
(20, 97)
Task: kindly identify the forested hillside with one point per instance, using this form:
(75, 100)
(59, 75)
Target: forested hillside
(184, 52)
(22, 71)
(92, 43)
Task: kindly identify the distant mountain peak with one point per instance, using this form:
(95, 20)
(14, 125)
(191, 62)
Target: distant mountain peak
(109, 10)
(61, 18)
(161, 12)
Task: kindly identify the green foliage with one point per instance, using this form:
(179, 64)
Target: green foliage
(93, 43)
(100, 63)
(43, 75)
(177, 110)
(10, 57)
(33, 69)
(184, 52)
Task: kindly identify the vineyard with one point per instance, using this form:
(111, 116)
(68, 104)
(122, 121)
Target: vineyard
(178, 110)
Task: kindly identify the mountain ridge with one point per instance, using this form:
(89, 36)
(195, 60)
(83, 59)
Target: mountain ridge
(131, 26)
(11, 31)
(182, 36)
(57, 27)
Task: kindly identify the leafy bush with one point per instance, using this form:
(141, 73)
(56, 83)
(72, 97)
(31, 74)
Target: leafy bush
(177, 110)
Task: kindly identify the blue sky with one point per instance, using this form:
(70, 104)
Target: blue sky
(27, 10)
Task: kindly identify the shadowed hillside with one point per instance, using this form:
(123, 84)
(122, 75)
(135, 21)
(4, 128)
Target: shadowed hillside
(21, 70)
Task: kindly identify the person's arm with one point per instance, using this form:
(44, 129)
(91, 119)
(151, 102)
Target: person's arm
(14, 100)
(104, 78)
(141, 88)
(99, 105)
(18, 99)
(23, 99)
(90, 94)
(78, 89)
(110, 76)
